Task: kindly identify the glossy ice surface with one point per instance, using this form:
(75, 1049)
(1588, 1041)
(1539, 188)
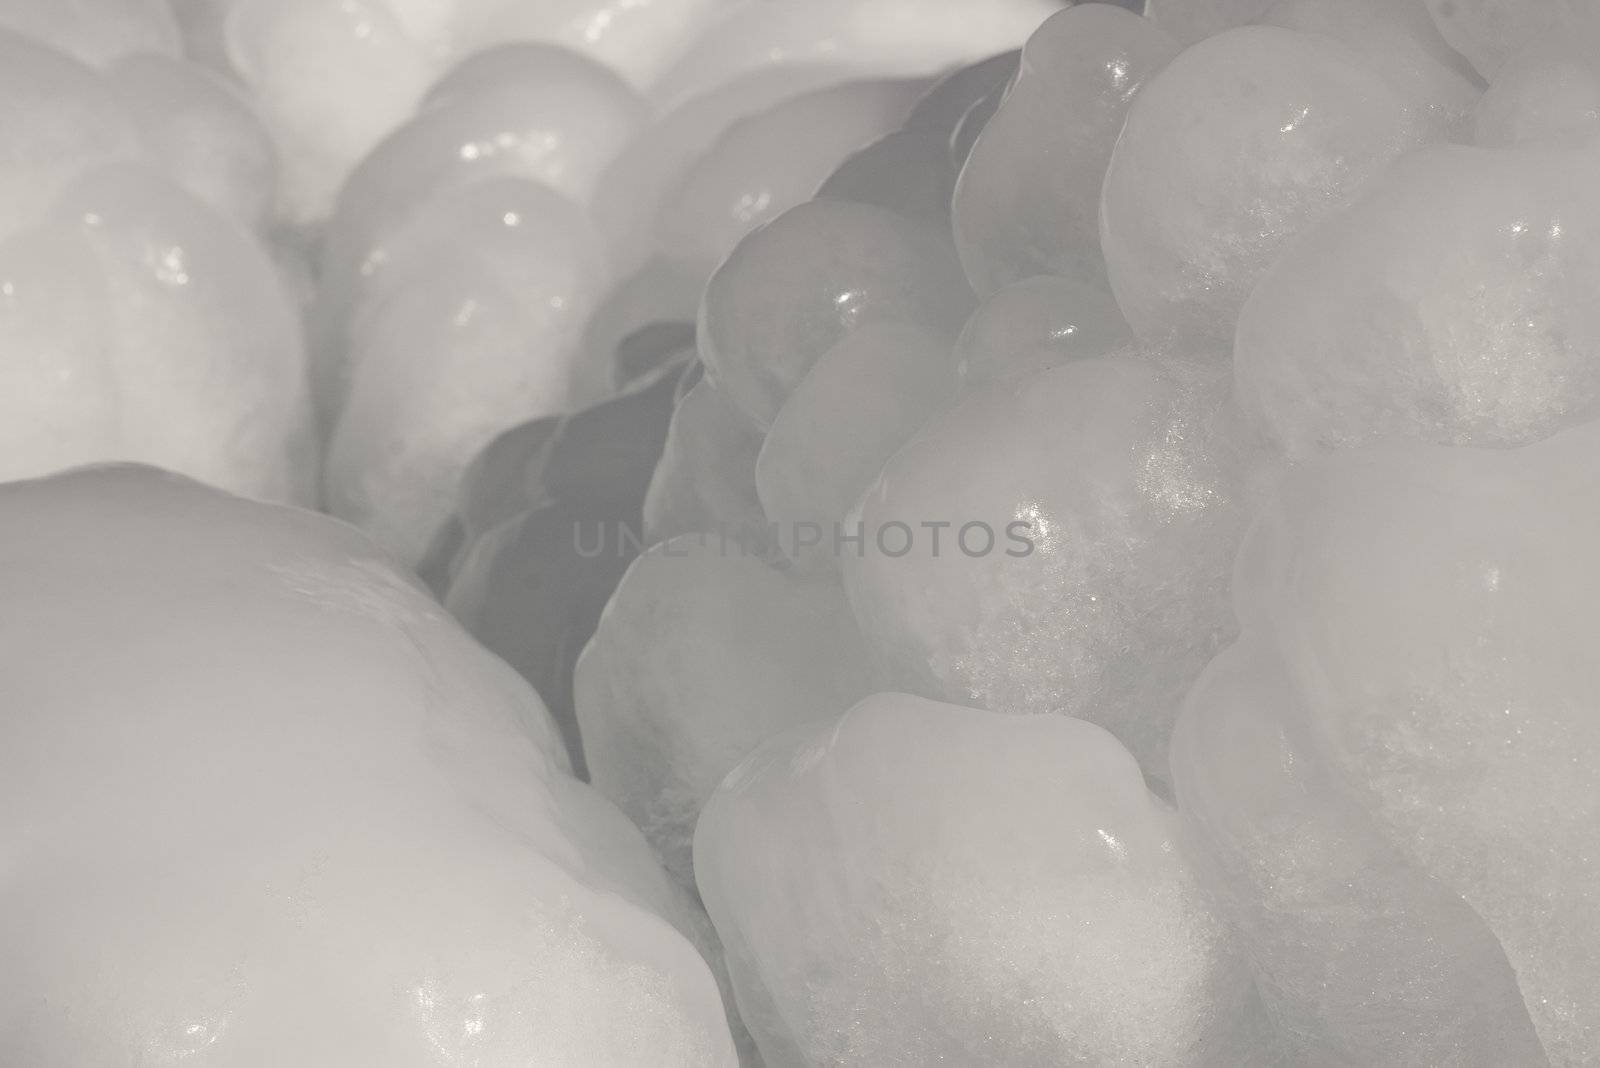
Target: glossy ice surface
(1240, 143)
(917, 883)
(1028, 202)
(793, 289)
(264, 802)
(704, 652)
(1429, 609)
(1104, 510)
(1449, 303)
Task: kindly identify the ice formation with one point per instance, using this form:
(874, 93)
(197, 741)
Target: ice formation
(1419, 618)
(703, 653)
(1028, 202)
(1060, 544)
(264, 802)
(917, 883)
(791, 290)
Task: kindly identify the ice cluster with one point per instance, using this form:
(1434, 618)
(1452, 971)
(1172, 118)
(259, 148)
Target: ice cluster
(265, 802)
(1015, 532)
(140, 319)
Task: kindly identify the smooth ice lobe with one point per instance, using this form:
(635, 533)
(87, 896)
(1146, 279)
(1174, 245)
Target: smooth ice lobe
(136, 325)
(705, 481)
(474, 324)
(765, 164)
(96, 32)
(1488, 32)
(917, 883)
(1194, 20)
(1434, 610)
(1361, 958)
(1237, 145)
(871, 392)
(702, 654)
(1546, 93)
(886, 38)
(794, 288)
(1036, 324)
(293, 815)
(1453, 302)
(1090, 516)
(1028, 200)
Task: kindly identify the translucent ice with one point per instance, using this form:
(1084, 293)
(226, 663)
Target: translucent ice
(628, 198)
(1035, 324)
(1548, 92)
(1488, 32)
(861, 401)
(61, 121)
(1240, 143)
(137, 325)
(476, 323)
(887, 38)
(917, 883)
(1433, 610)
(203, 132)
(553, 117)
(909, 171)
(96, 32)
(1400, 40)
(1060, 544)
(330, 81)
(706, 478)
(1451, 302)
(639, 39)
(531, 585)
(947, 103)
(1192, 20)
(264, 803)
(702, 654)
(1361, 958)
(794, 288)
(765, 164)
(1028, 202)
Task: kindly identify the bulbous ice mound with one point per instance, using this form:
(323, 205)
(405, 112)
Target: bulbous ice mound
(1360, 956)
(1028, 201)
(1549, 92)
(1237, 145)
(1036, 324)
(1194, 20)
(793, 289)
(546, 115)
(296, 815)
(136, 325)
(702, 654)
(1488, 32)
(1433, 611)
(918, 883)
(872, 392)
(706, 478)
(376, 59)
(97, 32)
(766, 163)
(888, 38)
(1452, 302)
(471, 322)
(1060, 544)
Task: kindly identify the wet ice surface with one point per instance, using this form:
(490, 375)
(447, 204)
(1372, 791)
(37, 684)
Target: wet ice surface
(1419, 614)
(1104, 505)
(1207, 396)
(235, 733)
(702, 653)
(915, 883)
